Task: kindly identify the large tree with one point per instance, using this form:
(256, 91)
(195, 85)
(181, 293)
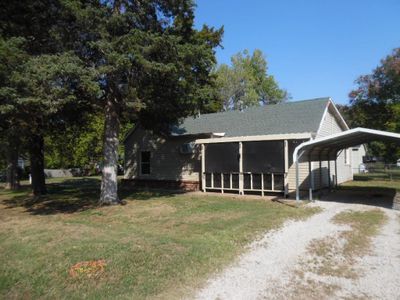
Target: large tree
(153, 67)
(246, 82)
(40, 89)
(151, 64)
(52, 91)
(12, 56)
(375, 103)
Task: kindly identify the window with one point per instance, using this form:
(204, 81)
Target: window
(145, 162)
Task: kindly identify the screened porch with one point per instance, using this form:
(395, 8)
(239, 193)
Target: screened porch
(246, 166)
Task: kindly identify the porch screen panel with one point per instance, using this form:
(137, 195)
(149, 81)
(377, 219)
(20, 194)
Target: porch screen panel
(222, 158)
(263, 157)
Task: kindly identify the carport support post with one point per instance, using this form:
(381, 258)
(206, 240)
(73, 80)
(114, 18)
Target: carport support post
(203, 167)
(285, 178)
(336, 174)
(241, 168)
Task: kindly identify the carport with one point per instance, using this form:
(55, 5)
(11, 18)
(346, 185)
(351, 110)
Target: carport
(328, 149)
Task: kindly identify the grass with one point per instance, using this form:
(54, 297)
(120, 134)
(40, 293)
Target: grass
(335, 256)
(364, 226)
(371, 189)
(159, 245)
(373, 181)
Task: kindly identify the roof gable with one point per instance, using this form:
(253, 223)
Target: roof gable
(289, 117)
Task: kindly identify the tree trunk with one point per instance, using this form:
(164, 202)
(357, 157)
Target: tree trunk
(37, 165)
(12, 167)
(109, 185)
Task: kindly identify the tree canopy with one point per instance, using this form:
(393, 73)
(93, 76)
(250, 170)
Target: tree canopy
(131, 61)
(246, 82)
(375, 103)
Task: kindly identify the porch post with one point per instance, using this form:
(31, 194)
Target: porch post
(320, 173)
(329, 173)
(311, 179)
(336, 174)
(203, 167)
(285, 176)
(241, 168)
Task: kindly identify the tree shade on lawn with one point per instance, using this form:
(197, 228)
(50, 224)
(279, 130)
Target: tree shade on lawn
(157, 246)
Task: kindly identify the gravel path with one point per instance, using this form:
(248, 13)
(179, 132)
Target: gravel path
(267, 270)
(381, 268)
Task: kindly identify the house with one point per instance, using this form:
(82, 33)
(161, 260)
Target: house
(248, 151)
(357, 158)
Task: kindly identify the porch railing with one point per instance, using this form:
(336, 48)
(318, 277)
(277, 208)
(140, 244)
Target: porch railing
(251, 182)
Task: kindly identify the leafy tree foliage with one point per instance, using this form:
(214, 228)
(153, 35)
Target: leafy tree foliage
(375, 103)
(133, 60)
(246, 83)
(11, 126)
(53, 92)
(153, 67)
(50, 86)
(80, 145)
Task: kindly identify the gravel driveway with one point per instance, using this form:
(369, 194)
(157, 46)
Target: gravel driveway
(270, 267)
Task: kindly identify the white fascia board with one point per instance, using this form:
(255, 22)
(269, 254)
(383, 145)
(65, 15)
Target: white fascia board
(268, 137)
(323, 117)
(339, 114)
(344, 133)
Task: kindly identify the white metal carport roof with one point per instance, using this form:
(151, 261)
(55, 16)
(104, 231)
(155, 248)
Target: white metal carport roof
(327, 148)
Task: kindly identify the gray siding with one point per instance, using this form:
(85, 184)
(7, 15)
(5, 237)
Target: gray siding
(166, 162)
(303, 176)
(330, 125)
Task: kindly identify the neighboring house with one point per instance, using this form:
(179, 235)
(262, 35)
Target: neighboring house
(357, 154)
(248, 150)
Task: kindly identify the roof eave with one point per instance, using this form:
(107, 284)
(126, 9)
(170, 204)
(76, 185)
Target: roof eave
(254, 138)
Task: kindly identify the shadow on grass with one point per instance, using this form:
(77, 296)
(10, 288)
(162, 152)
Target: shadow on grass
(72, 195)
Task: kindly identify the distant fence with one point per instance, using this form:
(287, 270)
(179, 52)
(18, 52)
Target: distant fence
(382, 171)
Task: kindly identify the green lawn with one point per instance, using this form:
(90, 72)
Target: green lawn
(158, 245)
(374, 181)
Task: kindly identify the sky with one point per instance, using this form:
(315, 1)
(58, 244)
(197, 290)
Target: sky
(314, 48)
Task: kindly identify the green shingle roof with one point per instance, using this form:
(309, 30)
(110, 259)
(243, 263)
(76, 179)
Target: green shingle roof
(289, 117)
